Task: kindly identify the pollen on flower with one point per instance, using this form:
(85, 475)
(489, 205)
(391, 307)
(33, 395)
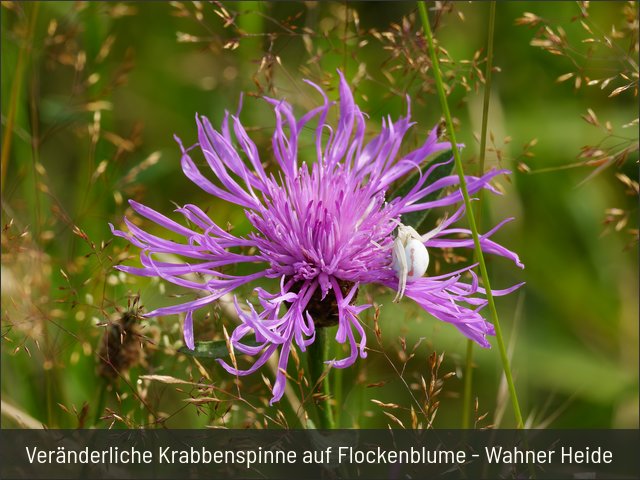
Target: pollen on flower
(322, 229)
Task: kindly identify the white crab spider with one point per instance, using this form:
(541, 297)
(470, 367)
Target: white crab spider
(410, 257)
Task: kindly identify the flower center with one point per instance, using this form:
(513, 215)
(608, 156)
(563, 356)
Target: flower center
(305, 271)
(325, 311)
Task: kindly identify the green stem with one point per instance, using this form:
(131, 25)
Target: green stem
(468, 372)
(468, 383)
(472, 222)
(318, 352)
(337, 394)
(102, 400)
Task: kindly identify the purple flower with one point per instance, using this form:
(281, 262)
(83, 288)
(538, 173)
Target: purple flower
(323, 229)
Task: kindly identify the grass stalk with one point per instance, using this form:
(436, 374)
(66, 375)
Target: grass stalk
(468, 371)
(472, 222)
(468, 386)
(16, 89)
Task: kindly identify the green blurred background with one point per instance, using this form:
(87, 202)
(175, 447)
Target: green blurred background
(92, 94)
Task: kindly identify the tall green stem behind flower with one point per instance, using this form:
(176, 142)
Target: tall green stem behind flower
(472, 223)
(318, 353)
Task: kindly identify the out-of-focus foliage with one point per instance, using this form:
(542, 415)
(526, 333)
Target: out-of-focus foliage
(92, 94)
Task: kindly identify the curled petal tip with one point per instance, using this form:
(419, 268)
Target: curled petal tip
(188, 331)
(277, 395)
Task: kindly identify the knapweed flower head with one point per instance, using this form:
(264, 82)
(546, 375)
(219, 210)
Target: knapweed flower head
(323, 229)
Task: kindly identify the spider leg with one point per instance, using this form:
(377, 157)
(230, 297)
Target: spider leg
(400, 265)
(411, 232)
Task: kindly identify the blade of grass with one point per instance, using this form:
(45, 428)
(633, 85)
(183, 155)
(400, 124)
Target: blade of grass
(213, 349)
(468, 384)
(23, 419)
(336, 388)
(16, 88)
(468, 369)
(472, 222)
(102, 401)
(418, 219)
